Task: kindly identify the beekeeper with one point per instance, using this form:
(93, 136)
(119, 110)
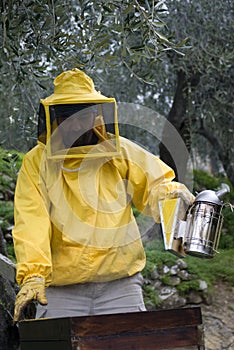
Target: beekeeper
(77, 244)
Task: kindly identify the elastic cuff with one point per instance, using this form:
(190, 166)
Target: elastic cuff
(30, 277)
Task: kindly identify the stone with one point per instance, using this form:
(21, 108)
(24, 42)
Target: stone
(157, 285)
(147, 282)
(203, 285)
(207, 298)
(194, 297)
(155, 274)
(174, 270)
(182, 264)
(7, 268)
(8, 237)
(172, 302)
(150, 306)
(185, 276)
(166, 269)
(174, 281)
(166, 292)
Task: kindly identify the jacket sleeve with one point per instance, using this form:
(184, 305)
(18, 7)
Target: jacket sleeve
(150, 180)
(32, 229)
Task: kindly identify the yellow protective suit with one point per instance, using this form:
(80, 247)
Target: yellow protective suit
(73, 215)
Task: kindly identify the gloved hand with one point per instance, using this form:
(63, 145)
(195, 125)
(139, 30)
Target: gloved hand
(170, 190)
(176, 190)
(31, 289)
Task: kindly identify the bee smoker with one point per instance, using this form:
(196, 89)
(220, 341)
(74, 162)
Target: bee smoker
(204, 223)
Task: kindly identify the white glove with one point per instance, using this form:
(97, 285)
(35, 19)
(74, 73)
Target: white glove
(172, 190)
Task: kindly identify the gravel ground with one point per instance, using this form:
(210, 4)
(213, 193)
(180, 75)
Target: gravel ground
(218, 319)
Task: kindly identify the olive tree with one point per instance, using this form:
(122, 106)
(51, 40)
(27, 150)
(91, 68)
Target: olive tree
(40, 39)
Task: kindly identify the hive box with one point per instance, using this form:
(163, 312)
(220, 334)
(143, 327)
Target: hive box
(150, 330)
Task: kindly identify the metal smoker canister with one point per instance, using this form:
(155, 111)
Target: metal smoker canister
(204, 223)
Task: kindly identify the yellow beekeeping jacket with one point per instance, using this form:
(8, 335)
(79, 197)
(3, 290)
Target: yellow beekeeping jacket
(78, 226)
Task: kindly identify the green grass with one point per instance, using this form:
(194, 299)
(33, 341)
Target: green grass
(218, 268)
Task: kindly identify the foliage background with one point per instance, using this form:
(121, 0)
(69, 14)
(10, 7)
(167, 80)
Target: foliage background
(175, 57)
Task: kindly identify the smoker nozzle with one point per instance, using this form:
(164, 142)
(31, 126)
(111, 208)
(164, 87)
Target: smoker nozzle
(224, 190)
(213, 197)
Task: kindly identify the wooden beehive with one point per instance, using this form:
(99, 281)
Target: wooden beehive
(150, 330)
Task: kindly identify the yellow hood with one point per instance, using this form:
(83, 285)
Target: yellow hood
(74, 87)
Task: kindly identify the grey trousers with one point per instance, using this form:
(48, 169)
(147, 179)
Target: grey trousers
(122, 295)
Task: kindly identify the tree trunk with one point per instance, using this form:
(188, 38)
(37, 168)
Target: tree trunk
(173, 153)
(175, 145)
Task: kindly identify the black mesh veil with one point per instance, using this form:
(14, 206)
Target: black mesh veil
(60, 116)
